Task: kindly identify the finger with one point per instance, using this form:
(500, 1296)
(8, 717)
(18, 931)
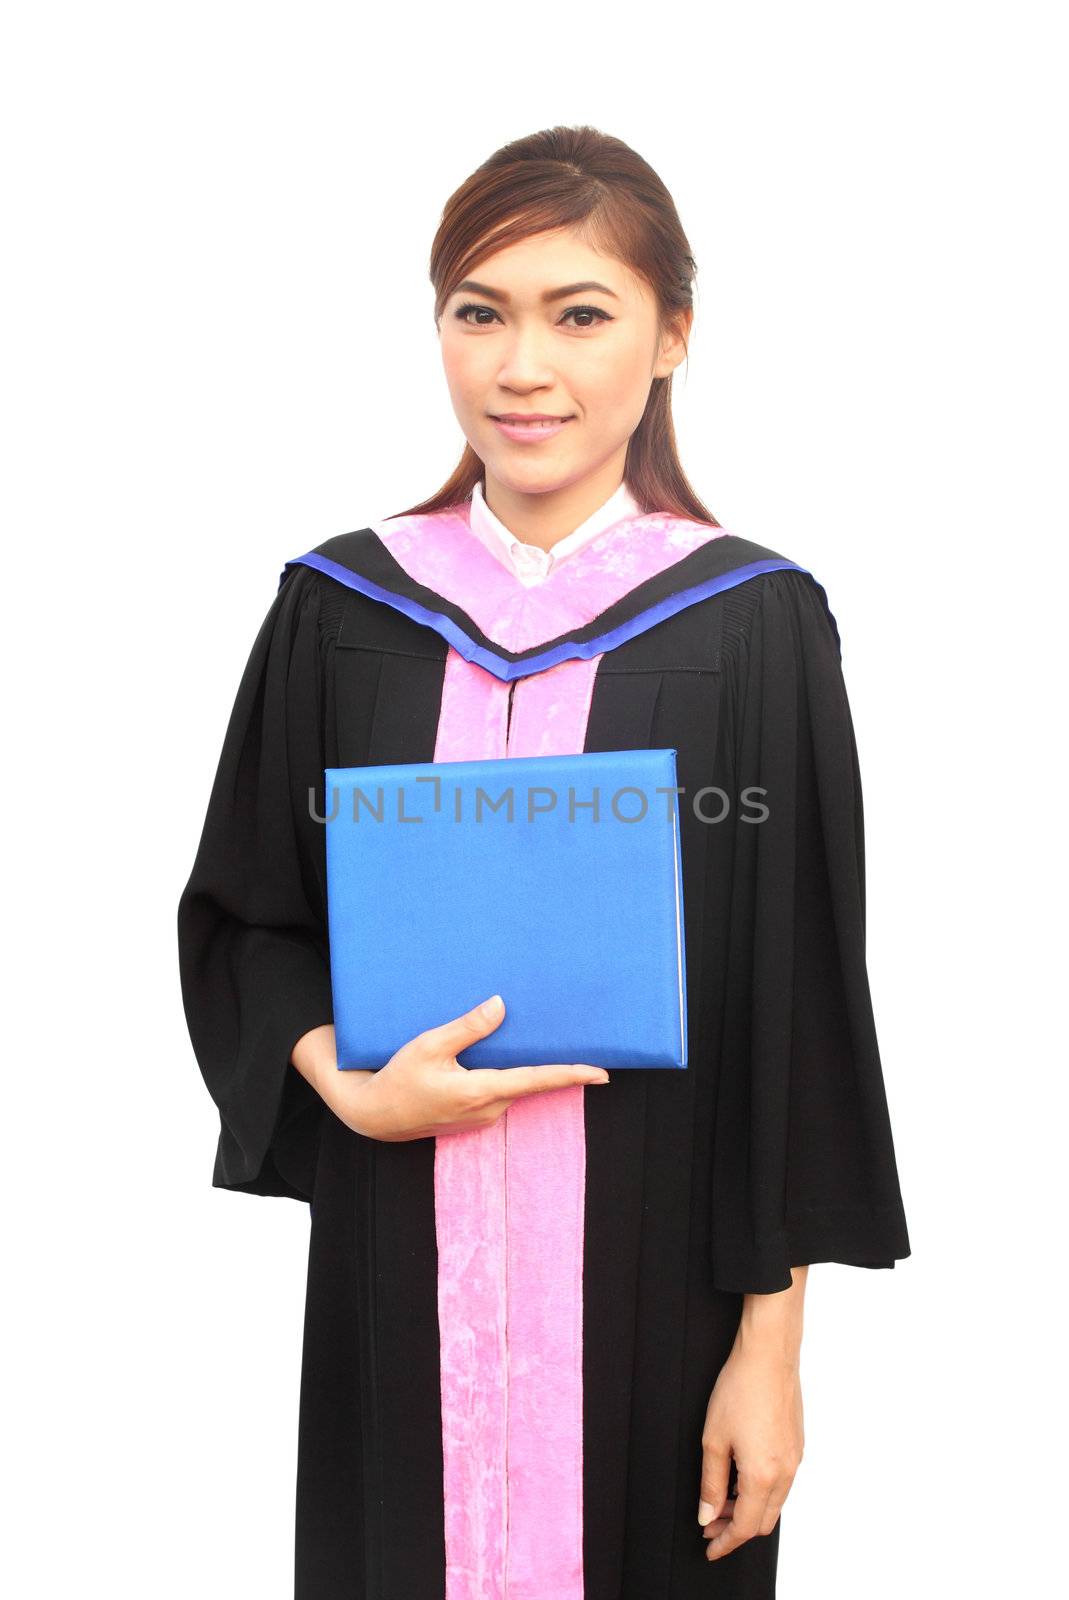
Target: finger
(721, 1522)
(746, 1521)
(450, 1038)
(717, 1525)
(776, 1501)
(716, 1469)
(512, 1082)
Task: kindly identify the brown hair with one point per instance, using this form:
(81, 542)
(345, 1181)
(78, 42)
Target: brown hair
(577, 178)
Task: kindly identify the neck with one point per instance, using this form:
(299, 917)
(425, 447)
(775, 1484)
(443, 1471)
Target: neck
(544, 518)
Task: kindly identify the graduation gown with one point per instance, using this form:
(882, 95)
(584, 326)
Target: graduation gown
(512, 1333)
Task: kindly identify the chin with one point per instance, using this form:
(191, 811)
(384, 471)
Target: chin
(534, 481)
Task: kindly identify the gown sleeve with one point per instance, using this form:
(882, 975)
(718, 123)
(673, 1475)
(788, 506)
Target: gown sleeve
(804, 1161)
(252, 925)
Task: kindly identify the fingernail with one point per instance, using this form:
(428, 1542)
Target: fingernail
(705, 1513)
(491, 1007)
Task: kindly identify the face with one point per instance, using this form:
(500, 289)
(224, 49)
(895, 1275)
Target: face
(549, 326)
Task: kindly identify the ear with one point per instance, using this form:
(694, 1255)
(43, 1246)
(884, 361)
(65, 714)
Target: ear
(673, 346)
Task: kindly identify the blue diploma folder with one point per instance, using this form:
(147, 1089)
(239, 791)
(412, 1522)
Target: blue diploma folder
(554, 881)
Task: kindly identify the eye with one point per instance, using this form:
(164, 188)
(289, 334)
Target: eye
(596, 312)
(588, 311)
(461, 314)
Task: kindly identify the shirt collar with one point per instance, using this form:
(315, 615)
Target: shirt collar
(528, 562)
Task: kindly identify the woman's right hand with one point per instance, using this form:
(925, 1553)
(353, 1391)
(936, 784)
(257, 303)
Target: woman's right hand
(423, 1090)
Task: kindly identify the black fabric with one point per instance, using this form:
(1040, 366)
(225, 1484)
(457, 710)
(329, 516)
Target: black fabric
(804, 1165)
(773, 1150)
(252, 942)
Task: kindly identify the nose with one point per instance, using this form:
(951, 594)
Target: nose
(524, 365)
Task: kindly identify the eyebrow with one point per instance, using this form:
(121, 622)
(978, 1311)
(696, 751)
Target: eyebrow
(550, 294)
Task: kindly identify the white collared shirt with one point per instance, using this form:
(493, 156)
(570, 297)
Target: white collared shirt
(528, 562)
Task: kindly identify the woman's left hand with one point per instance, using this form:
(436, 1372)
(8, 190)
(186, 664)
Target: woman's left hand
(755, 1415)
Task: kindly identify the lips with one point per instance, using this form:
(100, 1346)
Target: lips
(517, 419)
(530, 430)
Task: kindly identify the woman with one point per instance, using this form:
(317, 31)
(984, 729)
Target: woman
(575, 1372)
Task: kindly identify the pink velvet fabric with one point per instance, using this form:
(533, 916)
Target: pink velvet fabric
(509, 1198)
(442, 552)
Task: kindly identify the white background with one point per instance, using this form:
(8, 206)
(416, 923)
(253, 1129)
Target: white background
(218, 351)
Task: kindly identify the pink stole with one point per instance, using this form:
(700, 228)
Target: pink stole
(509, 1198)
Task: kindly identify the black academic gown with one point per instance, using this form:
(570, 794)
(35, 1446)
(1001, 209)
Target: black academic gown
(773, 1150)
